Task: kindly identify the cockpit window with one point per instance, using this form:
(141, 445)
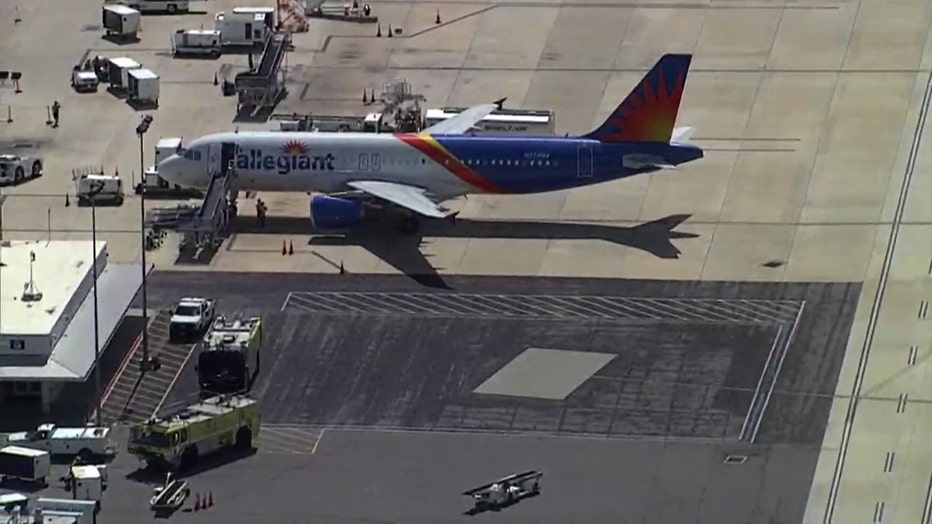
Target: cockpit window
(191, 154)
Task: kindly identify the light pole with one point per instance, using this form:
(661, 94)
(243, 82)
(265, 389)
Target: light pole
(96, 187)
(140, 132)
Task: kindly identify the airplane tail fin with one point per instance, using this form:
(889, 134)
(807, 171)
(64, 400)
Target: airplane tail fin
(648, 114)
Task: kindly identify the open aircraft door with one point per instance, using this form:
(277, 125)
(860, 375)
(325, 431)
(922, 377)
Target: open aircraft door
(584, 161)
(219, 157)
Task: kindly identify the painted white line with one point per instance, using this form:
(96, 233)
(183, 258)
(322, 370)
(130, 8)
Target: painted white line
(285, 303)
(317, 443)
(174, 379)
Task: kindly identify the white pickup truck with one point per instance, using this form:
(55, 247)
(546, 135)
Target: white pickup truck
(86, 443)
(191, 318)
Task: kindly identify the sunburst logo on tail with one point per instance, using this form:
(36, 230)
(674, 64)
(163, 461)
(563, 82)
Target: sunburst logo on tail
(294, 147)
(648, 114)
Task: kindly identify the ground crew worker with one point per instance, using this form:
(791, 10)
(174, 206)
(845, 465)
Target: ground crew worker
(56, 107)
(260, 212)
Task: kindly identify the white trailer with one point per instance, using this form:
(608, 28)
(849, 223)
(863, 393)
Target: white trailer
(86, 442)
(121, 21)
(192, 42)
(243, 29)
(99, 189)
(118, 71)
(143, 86)
(88, 482)
(31, 465)
(157, 6)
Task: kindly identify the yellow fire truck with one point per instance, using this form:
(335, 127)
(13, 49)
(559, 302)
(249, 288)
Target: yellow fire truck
(212, 425)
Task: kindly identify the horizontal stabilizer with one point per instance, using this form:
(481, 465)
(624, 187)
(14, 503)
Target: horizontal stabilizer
(640, 161)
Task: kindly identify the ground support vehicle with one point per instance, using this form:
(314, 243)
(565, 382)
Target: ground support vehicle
(177, 441)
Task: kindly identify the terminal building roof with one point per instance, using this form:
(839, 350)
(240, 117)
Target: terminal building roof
(58, 269)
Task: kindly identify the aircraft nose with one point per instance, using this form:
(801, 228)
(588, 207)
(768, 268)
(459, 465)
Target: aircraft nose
(170, 170)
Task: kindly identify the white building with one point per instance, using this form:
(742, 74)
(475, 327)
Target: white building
(47, 312)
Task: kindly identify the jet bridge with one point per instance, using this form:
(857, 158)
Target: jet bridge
(206, 228)
(264, 85)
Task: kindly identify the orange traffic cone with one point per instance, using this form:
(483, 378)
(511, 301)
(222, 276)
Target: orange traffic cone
(378, 33)
(389, 30)
(365, 96)
(116, 171)
(67, 200)
(210, 499)
(284, 250)
(437, 20)
(290, 247)
(197, 502)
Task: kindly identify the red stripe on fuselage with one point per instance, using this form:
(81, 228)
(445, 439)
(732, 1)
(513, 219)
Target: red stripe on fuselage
(439, 154)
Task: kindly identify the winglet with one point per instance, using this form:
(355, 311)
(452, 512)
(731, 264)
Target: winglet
(500, 102)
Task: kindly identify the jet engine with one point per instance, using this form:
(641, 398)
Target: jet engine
(335, 213)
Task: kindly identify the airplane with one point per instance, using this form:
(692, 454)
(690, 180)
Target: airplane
(355, 172)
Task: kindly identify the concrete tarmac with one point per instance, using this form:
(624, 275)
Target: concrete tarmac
(812, 115)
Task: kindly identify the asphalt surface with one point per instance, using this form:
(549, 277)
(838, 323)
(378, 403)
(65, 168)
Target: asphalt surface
(749, 373)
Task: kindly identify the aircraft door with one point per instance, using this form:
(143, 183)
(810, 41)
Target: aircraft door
(227, 156)
(584, 161)
(214, 154)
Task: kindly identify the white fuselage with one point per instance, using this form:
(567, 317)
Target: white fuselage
(310, 162)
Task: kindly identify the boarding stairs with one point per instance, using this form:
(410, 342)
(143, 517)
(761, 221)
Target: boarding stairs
(133, 395)
(206, 228)
(263, 86)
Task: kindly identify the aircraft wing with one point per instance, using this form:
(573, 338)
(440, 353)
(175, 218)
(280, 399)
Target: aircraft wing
(408, 197)
(464, 121)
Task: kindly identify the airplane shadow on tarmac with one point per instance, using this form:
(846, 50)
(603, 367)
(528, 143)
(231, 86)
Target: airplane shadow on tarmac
(404, 253)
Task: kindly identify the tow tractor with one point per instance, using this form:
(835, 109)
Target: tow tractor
(177, 441)
(505, 491)
(229, 358)
(15, 169)
(86, 443)
(190, 318)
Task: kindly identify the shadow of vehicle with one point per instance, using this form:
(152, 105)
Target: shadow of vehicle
(476, 510)
(156, 476)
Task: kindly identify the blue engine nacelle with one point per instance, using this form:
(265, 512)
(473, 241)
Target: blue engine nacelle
(335, 213)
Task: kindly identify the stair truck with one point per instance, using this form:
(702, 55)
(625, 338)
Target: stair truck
(228, 361)
(213, 425)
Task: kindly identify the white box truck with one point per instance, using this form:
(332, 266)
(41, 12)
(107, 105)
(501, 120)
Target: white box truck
(143, 87)
(121, 21)
(85, 442)
(156, 6)
(31, 465)
(196, 42)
